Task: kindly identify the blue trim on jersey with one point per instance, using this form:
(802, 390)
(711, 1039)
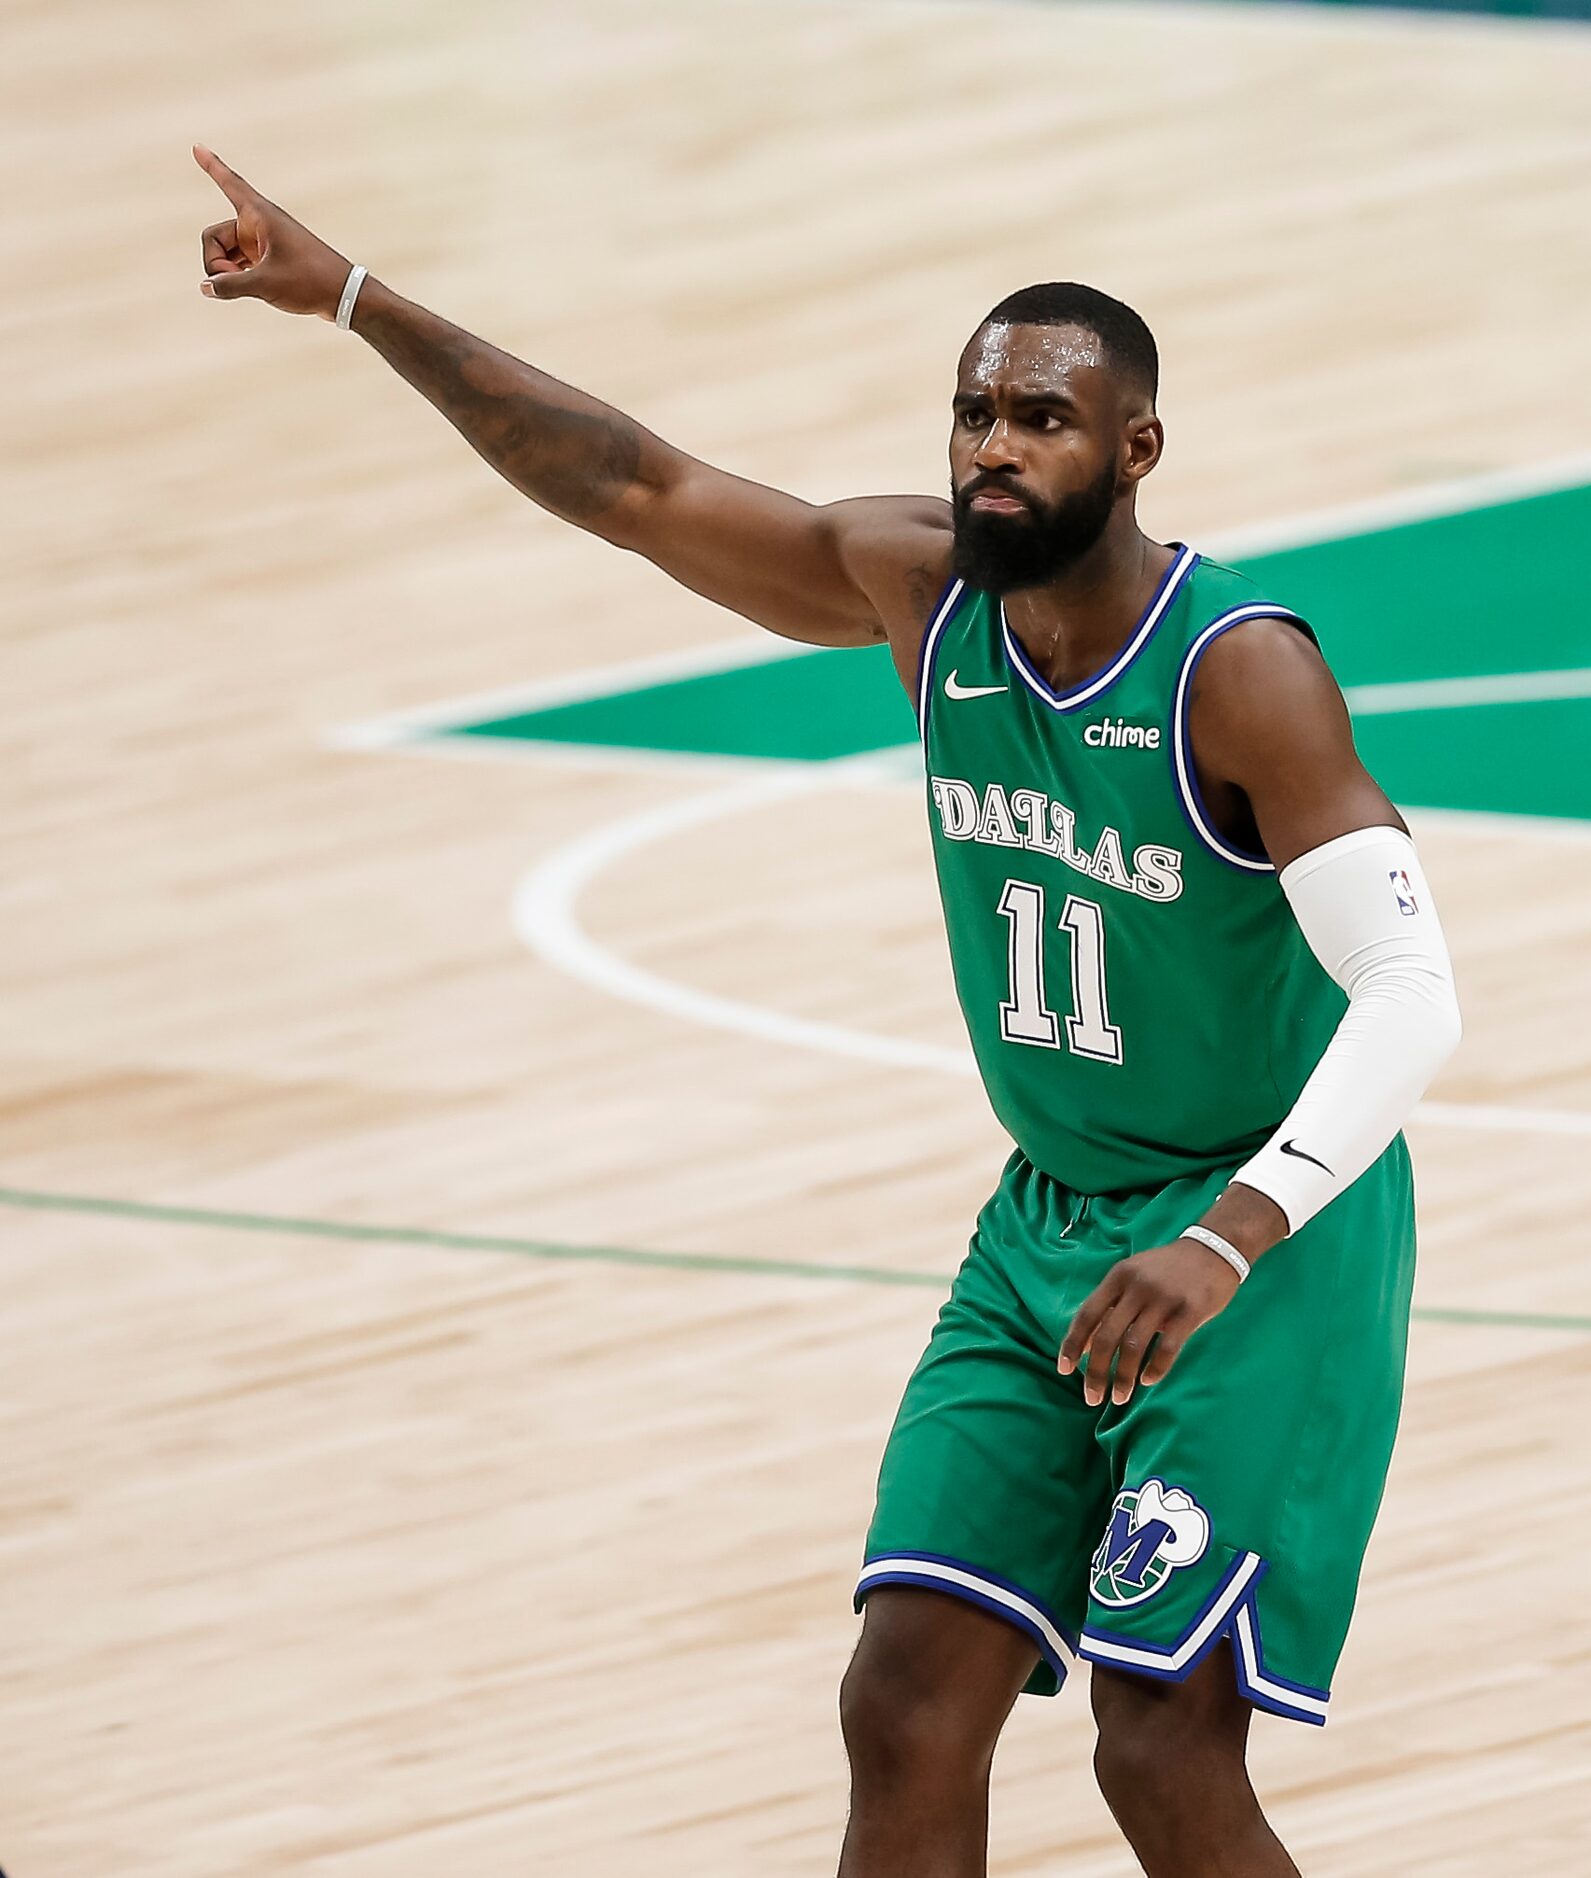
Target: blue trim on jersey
(981, 1571)
(1223, 1585)
(1286, 1682)
(944, 610)
(1262, 1686)
(1272, 1704)
(969, 1594)
(1184, 774)
(1183, 563)
(1158, 1672)
(1241, 1627)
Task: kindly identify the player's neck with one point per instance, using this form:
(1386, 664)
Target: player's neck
(1075, 624)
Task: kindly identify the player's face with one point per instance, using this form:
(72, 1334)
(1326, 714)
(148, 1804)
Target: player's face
(1041, 449)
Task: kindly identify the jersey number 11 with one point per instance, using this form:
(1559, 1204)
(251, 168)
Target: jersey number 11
(1024, 1016)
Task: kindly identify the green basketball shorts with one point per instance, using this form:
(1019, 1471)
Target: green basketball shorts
(1233, 1498)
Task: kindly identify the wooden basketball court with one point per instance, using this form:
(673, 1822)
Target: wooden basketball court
(468, 1222)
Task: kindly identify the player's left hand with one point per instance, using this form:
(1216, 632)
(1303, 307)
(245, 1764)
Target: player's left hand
(1160, 1296)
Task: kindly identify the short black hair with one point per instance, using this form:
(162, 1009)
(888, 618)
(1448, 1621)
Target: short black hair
(1128, 342)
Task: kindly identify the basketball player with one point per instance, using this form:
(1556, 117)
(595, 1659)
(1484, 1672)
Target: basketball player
(1205, 985)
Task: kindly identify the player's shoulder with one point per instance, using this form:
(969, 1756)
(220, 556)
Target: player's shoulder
(1226, 589)
(918, 510)
(1238, 620)
(1259, 669)
(892, 526)
(898, 550)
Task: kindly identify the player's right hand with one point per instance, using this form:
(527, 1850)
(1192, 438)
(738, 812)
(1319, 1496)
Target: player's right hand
(263, 254)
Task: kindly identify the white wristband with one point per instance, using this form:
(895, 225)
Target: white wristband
(345, 306)
(1222, 1248)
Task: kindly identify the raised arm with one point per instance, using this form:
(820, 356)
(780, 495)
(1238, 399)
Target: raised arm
(845, 573)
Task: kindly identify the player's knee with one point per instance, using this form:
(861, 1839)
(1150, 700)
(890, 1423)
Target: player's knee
(1160, 1760)
(1130, 1770)
(896, 1729)
(905, 1726)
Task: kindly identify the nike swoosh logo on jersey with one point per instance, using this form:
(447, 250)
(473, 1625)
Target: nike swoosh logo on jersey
(1298, 1154)
(954, 690)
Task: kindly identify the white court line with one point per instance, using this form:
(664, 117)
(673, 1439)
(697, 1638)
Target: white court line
(595, 681)
(415, 728)
(1570, 829)
(902, 767)
(582, 756)
(1486, 1115)
(1448, 694)
(1489, 490)
(545, 915)
(545, 906)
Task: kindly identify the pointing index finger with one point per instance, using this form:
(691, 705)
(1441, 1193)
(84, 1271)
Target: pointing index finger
(228, 181)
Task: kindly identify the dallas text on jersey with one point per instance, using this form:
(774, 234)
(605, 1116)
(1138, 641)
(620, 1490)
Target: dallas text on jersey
(1028, 818)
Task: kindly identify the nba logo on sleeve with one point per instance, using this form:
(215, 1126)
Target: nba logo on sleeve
(1407, 904)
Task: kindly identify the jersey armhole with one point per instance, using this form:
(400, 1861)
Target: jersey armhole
(938, 620)
(1183, 772)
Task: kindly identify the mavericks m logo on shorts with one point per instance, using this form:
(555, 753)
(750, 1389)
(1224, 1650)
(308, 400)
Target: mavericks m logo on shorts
(1153, 1529)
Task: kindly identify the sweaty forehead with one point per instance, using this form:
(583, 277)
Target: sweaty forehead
(1036, 355)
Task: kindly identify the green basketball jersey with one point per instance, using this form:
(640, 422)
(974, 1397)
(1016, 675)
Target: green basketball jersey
(1141, 1002)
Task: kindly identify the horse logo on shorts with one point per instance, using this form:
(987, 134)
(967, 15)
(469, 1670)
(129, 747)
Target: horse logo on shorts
(1153, 1529)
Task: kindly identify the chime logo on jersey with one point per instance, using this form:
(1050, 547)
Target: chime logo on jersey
(1115, 733)
(1153, 1529)
(1408, 906)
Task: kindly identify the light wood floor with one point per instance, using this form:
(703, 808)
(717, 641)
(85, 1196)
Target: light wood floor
(386, 1558)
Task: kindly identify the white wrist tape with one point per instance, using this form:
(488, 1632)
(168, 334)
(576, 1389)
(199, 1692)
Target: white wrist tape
(1222, 1248)
(1363, 904)
(345, 306)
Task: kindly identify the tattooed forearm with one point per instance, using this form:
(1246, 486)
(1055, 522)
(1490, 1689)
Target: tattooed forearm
(571, 453)
(805, 570)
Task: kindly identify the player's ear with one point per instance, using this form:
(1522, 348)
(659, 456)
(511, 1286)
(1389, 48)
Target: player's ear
(1145, 440)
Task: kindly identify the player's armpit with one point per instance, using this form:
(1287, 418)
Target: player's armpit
(1271, 738)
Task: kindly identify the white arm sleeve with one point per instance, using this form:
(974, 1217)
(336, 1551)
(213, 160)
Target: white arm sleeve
(1363, 904)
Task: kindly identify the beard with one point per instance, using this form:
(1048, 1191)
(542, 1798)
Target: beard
(1003, 553)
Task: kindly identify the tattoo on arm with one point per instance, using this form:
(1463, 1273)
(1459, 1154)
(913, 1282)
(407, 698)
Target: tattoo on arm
(921, 589)
(571, 453)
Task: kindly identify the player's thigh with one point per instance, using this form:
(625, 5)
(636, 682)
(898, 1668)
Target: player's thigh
(992, 1487)
(1248, 1479)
